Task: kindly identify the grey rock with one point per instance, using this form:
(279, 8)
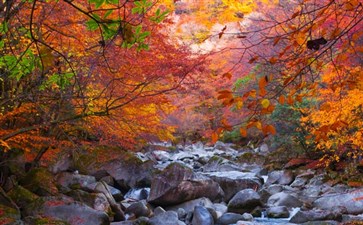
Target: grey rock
(229, 218)
(189, 206)
(220, 208)
(138, 209)
(351, 201)
(177, 184)
(278, 212)
(244, 201)
(69, 180)
(315, 215)
(158, 210)
(97, 201)
(102, 187)
(284, 199)
(284, 177)
(233, 181)
(116, 193)
(182, 214)
(130, 173)
(275, 188)
(108, 180)
(66, 209)
(201, 216)
(167, 218)
(247, 217)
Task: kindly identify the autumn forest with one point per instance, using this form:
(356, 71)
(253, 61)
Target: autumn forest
(77, 74)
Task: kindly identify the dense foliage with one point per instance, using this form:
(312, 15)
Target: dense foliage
(122, 72)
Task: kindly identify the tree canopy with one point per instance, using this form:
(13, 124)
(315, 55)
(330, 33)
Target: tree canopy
(126, 72)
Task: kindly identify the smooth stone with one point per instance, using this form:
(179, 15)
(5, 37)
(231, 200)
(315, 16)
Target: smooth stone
(66, 209)
(283, 177)
(229, 218)
(201, 216)
(189, 206)
(352, 201)
(177, 184)
(167, 218)
(284, 199)
(278, 212)
(244, 201)
(233, 181)
(139, 209)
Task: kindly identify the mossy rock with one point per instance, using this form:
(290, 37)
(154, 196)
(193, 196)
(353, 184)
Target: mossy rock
(39, 181)
(9, 215)
(250, 157)
(22, 196)
(44, 221)
(216, 159)
(93, 158)
(16, 162)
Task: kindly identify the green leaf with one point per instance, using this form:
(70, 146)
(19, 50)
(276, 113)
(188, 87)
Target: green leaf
(108, 13)
(4, 28)
(136, 10)
(92, 25)
(138, 29)
(99, 3)
(144, 34)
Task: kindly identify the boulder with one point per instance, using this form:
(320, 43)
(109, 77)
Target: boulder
(315, 215)
(138, 209)
(166, 218)
(21, 196)
(229, 218)
(352, 201)
(189, 206)
(177, 184)
(247, 217)
(283, 177)
(131, 172)
(102, 187)
(63, 163)
(158, 210)
(67, 180)
(97, 201)
(201, 216)
(233, 181)
(244, 201)
(182, 214)
(39, 181)
(278, 212)
(284, 199)
(220, 209)
(66, 209)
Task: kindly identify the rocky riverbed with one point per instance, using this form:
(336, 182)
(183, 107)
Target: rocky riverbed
(194, 184)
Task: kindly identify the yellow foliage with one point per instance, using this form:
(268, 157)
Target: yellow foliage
(338, 121)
